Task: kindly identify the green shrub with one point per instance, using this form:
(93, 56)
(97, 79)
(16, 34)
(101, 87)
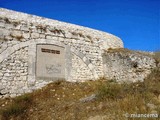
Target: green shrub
(152, 82)
(109, 91)
(13, 110)
(157, 57)
(19, 105)
(26, 98)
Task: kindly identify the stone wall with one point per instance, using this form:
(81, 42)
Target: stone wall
(20, 34)
(127, 66)
(89, 54)
(14, 71)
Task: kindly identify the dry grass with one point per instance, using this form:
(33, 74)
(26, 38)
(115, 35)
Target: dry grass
(17, 107)
(61, 100)
(127, 52)
(157, 57)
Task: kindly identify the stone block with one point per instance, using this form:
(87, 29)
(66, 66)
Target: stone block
(2, 24)
(13, 95)
(48, 37)
(16, 33)
(24, 28)
(4, 91)
(34, 35)
(1, 74)
(26, 35)
(33, 29)
(42, 35)
(89, 98)
(1, 86)
(6, 74)
(4, 32)
(23, 78)
(6, 96)
(9, 26)
(17, 27)
(61, 39)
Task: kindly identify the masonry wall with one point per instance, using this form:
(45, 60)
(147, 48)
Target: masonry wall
(20, 34)
(124, 65)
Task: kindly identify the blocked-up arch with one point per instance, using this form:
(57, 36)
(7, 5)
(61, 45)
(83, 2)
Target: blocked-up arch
(32, 55)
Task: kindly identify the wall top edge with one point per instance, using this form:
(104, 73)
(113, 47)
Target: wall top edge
(19, 16)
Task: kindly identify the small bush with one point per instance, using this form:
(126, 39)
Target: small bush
(27, 98)
(13, 110)
(113, 90)
(152, 82)
(18, 107)
(109, 91)
(58, 82)
(157, 56)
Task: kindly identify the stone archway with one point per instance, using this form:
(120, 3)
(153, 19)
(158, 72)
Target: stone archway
(16, 81)
(32, 57)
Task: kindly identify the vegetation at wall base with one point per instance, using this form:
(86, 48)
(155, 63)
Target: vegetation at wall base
(17, 107)
(61, 100)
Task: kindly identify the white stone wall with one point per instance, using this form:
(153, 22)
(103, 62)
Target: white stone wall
(19, 35)
(84, 58)
(80, 71)
(127, 66)
(13, 73)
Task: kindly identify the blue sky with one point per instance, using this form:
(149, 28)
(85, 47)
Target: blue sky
(136, 22)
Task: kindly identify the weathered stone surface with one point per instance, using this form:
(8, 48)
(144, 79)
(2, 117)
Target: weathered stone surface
(34, 35)
(26, 35)
(7, 74)
(16, 33)
(2, 24)
(4, 32)
(88, 99)
(24, 27)
(1, 74)
(80, 71)
(1, 86)
(127, 66)
(12, 75)
(42, 36)
(4, 91)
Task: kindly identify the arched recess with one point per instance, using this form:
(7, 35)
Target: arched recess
(32, 56)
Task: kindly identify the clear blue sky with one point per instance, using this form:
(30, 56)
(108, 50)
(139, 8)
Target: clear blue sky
(136, 22)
